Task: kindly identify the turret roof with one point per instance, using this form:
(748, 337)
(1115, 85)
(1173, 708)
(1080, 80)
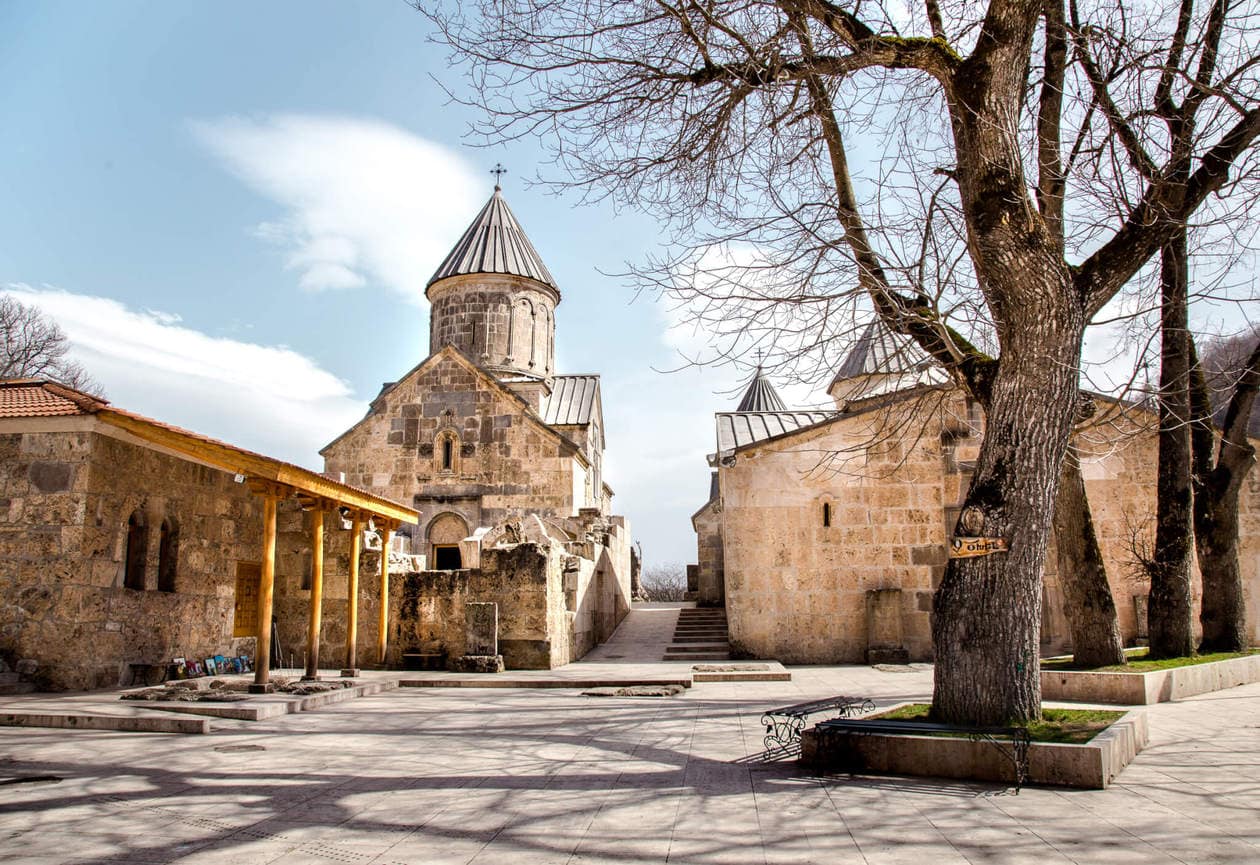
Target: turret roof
(761, 395)
(495, 243)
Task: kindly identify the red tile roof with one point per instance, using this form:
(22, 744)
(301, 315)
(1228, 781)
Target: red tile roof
(41, 398)
(33, 397)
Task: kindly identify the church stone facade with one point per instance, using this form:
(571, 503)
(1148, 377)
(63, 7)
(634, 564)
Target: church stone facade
(484, 435)
(825, 533)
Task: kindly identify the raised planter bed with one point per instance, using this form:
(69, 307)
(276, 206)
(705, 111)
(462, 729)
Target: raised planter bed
(1092, 765)
(1156, 686)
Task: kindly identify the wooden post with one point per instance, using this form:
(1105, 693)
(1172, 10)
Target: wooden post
(387, 533)
(352, 612)
(262, 664)
(317, 593)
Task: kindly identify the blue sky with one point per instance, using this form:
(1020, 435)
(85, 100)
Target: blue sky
(232, 210)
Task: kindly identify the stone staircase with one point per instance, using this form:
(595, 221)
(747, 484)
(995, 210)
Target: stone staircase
(700, 635)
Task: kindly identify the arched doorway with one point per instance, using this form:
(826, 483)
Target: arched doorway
(445, 533)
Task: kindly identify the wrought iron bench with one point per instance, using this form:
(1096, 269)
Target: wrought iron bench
(1017, 737)
(784, 724)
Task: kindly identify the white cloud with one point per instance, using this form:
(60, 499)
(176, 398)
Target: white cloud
(266, 398)
(364, 201)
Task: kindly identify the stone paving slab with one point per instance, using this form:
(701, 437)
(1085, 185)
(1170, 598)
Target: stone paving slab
(543, 776)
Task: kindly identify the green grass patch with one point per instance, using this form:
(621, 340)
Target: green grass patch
(1140, 663)
(1065, 726)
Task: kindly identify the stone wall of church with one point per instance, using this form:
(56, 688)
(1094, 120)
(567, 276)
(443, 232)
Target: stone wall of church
(806, 593)
(796, 588)
(597, 585)
(710, 587)
(502, 464)
(66, 494)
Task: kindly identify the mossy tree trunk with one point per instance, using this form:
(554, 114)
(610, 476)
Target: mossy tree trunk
(1089, 605)
(1169, 611)
(1218, 480)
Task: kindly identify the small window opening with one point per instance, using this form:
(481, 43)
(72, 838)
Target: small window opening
(168, 555)
(136, 552)
(827, 514)
(448, 454)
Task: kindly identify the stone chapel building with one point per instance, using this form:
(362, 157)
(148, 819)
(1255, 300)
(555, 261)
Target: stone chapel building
(488, 440)
(825, 533)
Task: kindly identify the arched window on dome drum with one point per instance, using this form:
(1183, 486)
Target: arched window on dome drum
(136, 552)
(168, 555)
(826, 514)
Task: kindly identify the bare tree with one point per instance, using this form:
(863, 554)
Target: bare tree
(713, 113)
(1221, 464)
(666, 581)
(33, 346)
(1161, 96)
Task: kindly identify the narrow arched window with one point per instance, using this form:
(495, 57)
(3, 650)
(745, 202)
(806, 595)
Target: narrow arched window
(136, 552)
(446, 452)
(826, 514)
(168, 555)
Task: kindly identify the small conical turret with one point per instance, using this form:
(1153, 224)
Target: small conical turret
(761, 395)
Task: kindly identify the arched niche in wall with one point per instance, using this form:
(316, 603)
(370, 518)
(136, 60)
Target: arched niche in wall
(168, 555)
(136, 550)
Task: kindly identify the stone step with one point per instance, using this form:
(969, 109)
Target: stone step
(701, 638)
(699, 656)
(699, 647)
(716, 626)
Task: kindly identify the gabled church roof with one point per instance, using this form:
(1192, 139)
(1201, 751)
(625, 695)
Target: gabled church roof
(740, 429)
(761, 395)
(495, 243)
(574, 400)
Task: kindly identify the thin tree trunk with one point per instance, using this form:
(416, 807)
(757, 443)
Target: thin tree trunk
(1169, 610)
(1089, 605)
(1223, 613)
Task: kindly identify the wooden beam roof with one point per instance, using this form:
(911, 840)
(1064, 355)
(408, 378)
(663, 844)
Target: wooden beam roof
(255, 466)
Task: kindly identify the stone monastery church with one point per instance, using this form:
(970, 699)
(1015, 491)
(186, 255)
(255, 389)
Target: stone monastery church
(826, 531)
(466, 516)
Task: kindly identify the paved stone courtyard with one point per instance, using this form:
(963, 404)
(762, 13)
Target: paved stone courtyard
(549, 776)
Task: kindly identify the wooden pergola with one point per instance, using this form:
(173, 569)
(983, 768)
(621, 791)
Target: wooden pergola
(273, 481)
